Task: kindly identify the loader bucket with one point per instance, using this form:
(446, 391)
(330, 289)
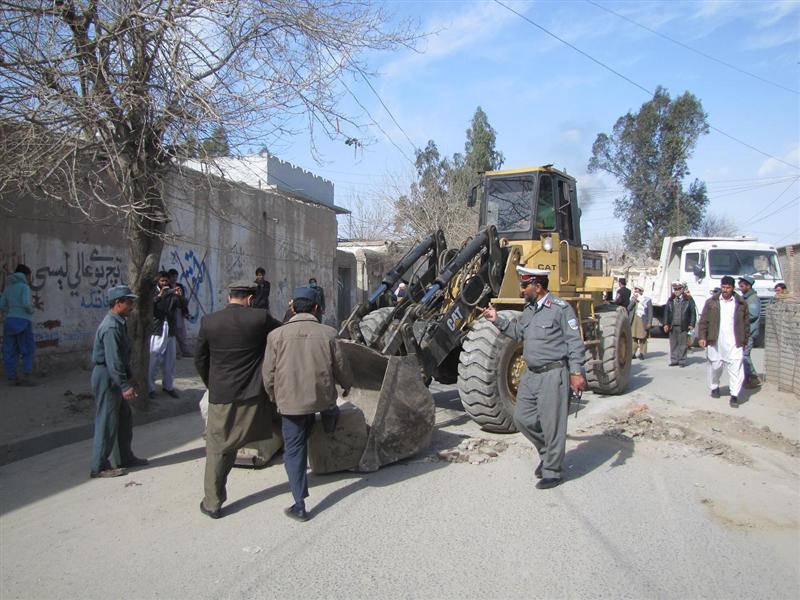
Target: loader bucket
(397, 406)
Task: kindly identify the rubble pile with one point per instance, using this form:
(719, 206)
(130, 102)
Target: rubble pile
(474, 451)
(642, 423)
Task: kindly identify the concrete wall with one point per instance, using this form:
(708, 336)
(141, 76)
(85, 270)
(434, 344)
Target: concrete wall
(782, 344)
(220, 232)
(372, 261)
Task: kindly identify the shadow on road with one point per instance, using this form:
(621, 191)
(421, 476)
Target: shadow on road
(388, 475)
(594, 451)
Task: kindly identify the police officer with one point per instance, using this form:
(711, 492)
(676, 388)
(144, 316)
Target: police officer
(554, 352)
(112, 387)
(749, 295)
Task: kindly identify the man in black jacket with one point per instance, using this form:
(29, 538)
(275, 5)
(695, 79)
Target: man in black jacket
(228, 356)
(680, 318)
(623, 296)
(261, 299)
(167, 303)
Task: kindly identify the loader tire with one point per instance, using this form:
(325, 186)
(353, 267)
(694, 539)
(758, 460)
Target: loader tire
(374, 322)
(608, 367)
(489, 369)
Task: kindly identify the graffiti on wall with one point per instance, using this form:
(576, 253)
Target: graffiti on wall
(84, 274)
(193, 274)
(235, 262)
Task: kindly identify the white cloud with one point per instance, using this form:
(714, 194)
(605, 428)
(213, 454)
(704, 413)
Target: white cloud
(772, 167)
(773, 12)
(472, 28)
(772, 39)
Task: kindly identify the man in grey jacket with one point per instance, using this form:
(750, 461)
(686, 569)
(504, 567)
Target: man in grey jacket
(554, 354)
(302, 365)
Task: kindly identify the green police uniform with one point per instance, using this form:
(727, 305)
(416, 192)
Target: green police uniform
(111, 376)
(552, 349)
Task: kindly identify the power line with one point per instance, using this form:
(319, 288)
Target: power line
(695, 50)
(776, 211)
(635, 84)
(778, 197)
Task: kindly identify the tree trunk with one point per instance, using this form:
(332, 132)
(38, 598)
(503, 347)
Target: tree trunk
(145, 243)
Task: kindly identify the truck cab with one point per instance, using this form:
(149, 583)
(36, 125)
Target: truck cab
(702, 262)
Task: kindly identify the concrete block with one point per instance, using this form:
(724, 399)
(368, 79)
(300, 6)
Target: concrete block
(258, 454)
(342, 449)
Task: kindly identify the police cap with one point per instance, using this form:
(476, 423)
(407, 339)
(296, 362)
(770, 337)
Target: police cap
(304, 293)
(528, 276)
(242, 285)
(120, 291)
(747, 279)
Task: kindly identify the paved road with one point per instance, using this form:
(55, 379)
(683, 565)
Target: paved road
(650, 519)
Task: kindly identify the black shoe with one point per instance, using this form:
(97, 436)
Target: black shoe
(538, 471)
(135, 462)
(673, 364)
(681, 364)
(214, 514)
(734, 403)
(172, 393)
(151, 395)
(108, 473)
(715, 393)
(641, 356)
(298, 515)
(549, 482)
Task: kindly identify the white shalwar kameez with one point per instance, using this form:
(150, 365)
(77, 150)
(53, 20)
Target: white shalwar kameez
(725, 351)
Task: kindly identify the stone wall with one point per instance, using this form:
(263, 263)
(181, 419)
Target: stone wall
(219, 232)
(782, 344)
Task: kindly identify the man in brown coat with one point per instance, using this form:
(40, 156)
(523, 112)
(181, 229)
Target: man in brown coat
(723, 329)
(302, 365)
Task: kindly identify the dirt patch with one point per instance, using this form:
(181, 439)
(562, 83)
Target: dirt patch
(744, 430)
(78, 403)
(639, 422)
(746, 521)
(474, 451)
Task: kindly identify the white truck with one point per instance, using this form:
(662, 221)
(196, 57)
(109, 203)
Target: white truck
(702, 262)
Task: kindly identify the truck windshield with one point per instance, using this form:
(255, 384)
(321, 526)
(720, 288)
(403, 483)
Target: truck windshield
(508, 204)
(759, 264)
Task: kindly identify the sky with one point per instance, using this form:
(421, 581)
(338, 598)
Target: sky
(547, 102)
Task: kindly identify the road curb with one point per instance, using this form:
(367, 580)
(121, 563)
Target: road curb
(25, 448)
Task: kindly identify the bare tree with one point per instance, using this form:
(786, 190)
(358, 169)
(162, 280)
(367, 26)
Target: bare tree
(433, 200)
(369, 219)
(714, 225)
(105, 98)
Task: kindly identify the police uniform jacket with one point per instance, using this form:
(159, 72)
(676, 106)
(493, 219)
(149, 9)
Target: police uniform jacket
(754, 308)
(302, 364)
(229, 351)
(112, 350)
(549, 333)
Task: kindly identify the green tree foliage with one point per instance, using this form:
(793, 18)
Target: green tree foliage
(216, 145)
(647, 152)
(438, 197)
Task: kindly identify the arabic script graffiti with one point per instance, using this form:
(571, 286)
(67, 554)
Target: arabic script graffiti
(197, 281)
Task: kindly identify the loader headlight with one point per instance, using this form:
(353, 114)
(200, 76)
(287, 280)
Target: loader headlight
(547, 244)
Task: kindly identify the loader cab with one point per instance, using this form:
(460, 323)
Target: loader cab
(525, 204)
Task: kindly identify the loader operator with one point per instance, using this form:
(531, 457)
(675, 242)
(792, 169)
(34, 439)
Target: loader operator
(554, 352)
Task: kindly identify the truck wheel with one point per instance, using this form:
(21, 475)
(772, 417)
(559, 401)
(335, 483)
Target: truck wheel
(372, 323)
(610, 368)
(490, 366)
